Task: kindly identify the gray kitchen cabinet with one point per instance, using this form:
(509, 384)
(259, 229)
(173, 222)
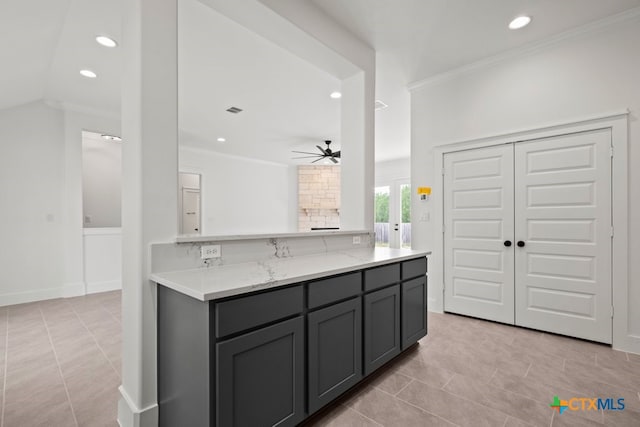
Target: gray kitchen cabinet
(276, 356)
(334, 351)
(414, 310)
(381, 327)
(260, 377)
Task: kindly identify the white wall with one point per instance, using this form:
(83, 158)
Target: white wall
(101, 181)
(241, 195)
(587, 75)
(41, 201)
(32, 196)
(392, 170)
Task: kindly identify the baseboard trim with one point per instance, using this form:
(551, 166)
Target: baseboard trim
(629, 343)
(129, 415)
(66, 291)
(106, 286)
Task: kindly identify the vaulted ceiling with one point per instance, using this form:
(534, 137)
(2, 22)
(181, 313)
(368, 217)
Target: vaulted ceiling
(45, 43)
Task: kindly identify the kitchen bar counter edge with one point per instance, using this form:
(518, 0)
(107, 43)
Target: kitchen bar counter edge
(222, 281)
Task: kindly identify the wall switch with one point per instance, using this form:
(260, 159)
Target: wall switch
(210, 251)
(425, 217)
(356, 240)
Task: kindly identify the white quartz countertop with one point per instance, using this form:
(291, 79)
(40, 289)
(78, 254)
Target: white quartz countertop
(222, 281)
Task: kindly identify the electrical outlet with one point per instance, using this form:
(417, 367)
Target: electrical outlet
(210, 251)
(356, 240)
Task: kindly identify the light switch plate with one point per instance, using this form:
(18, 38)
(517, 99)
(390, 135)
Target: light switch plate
(210, 251)
(356, 240)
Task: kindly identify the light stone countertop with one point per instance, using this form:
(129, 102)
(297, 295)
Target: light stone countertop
(222, 281)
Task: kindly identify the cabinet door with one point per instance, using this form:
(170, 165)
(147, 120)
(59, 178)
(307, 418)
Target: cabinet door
(335, 351)
(414, 310)
(260, 377)
(381, 327)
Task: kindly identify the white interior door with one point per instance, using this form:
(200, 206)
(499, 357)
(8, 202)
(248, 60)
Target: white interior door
(190, 211)
(478, 212)
(563, 211)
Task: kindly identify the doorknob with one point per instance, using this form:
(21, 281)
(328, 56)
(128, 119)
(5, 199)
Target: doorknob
(520, 243)
(507, 243)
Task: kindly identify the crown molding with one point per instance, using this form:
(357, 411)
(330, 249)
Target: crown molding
(528, 49)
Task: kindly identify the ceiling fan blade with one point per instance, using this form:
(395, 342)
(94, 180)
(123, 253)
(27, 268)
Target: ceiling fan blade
(336, 154)
(323, 150)
(307, 157)
(333, 160)
(306, 152)
(318, 159)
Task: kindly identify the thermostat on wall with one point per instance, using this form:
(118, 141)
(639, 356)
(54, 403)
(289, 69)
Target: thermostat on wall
(424, 193)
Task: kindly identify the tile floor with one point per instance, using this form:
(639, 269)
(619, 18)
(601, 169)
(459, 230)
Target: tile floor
(60, 366)
(469, 372)
(60, 362)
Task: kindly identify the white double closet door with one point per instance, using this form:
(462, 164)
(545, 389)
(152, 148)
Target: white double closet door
(527, 234)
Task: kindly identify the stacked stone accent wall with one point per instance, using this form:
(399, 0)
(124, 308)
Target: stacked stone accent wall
(318, 197)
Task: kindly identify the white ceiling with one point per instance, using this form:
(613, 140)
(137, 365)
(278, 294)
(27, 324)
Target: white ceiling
(418, 39)
(45, 43)
(285, 100)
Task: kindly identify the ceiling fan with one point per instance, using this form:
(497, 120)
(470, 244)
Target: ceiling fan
(326, 153)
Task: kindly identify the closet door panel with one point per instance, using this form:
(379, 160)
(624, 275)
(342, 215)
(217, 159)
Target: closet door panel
(563, 218)
(478, 212)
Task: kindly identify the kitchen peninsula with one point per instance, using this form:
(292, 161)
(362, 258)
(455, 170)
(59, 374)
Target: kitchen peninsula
(276, 329)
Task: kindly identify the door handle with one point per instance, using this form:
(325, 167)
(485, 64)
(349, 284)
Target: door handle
(395, 227)
(520, 243)
(507, 243)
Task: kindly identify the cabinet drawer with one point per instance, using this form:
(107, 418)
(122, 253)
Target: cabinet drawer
(247, 312)
(414, 268)
(333, 289)
(379, 277)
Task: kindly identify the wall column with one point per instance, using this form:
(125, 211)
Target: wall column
(149, 196)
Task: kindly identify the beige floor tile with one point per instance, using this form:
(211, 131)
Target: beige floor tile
(543, 393)
(624, 418)
(387, 410)
(515, 422)
(417, 368)
(513, 404)
(617, 377)
(461, 363)
(391, 382)
(574, 419)
(459, 411)
(341, 416)
(52, 415)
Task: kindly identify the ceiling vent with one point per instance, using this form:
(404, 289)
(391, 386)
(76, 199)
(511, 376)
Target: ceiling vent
(234, 110)
(379, 105)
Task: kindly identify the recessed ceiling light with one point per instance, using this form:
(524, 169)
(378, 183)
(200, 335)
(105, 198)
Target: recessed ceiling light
(106, 41)
(111, 138)
(88, 73)
(336, 95)
(519, 22)
(221, 139)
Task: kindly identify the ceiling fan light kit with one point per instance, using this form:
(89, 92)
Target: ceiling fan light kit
(327, 153)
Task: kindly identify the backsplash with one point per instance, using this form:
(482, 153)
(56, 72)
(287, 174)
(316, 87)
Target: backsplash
(179, 256)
